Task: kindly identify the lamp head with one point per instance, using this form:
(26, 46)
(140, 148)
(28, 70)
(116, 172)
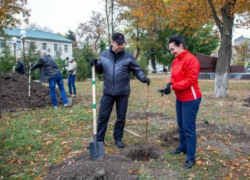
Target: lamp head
(23, 34)
(14, 39)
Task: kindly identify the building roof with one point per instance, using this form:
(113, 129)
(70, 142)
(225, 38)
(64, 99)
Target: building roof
(36, 34)
(242, 38)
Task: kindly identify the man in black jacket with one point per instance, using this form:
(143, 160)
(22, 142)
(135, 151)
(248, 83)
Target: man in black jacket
(116, 65)
(19, 67)
(50, 72)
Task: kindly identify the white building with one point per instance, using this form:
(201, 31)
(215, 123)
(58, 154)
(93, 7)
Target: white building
(52, 43)
(238, 41)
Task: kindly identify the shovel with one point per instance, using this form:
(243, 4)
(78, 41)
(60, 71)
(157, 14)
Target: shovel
(96, 148)
(13, 69)
(29, 84)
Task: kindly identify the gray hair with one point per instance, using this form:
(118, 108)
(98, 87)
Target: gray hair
(44, 51)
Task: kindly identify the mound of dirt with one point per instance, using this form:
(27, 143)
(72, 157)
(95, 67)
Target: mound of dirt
(14, 93)
(143, 115)
(143, 152)
(81, 167)
(247, 102)
(170, 138)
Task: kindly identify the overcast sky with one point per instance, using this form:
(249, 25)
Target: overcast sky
(62, 15)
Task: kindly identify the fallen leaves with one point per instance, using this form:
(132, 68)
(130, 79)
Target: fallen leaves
(134, 171)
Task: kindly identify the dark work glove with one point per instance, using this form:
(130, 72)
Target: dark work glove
(93, 62)
(161, 91)
(167, 90)
(148, 81)
(30, 67)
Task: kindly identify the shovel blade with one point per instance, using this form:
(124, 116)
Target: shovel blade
(96, 150)
(69, 101)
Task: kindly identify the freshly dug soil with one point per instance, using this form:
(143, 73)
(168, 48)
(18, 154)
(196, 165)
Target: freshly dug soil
(170, 138)
(14, 94)
(143, 152)
(247, 102)
(82, 168)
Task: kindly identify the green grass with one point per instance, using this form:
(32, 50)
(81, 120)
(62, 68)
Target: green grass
(33, 140)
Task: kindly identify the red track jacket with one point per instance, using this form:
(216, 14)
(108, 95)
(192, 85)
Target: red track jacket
(184, 76)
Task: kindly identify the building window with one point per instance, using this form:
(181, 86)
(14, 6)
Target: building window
(55, 47)
(65, 48)
(45, 46)
(2, 43)
(18, 45)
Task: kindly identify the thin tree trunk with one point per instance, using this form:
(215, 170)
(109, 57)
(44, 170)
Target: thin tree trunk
(137, 42)
(153, 63)
(95, 43)
(107, 19)
(112, 16)
(224, 55)
(137, 33)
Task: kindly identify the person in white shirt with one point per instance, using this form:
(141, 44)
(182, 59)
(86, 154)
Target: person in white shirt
(71, 70)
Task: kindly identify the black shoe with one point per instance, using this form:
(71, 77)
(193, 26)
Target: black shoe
(189, 164)
(119, 144)
(177, 151)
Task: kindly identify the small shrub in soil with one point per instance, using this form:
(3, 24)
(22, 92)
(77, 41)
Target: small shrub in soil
(112, 167)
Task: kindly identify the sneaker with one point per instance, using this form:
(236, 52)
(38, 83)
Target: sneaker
(189, 164)
(66, 105)
(73, 95)
(177, 151)
(120, 144)
(55, 107)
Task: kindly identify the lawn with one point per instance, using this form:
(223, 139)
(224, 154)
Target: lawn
(31, 141)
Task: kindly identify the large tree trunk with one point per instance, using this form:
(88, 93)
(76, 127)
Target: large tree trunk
(224, 55)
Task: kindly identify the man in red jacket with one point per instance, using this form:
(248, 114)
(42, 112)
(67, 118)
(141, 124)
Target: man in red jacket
(184, 82)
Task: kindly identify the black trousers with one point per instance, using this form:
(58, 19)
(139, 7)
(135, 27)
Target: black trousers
(106, 106)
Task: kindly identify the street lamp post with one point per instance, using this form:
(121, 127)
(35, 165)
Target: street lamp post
(14, 43)
(23, 36)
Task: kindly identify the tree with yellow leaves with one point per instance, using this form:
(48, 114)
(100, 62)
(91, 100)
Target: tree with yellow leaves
(225, 14)
(192, 14)
(8, 11)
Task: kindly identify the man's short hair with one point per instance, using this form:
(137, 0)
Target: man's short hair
(178, 40)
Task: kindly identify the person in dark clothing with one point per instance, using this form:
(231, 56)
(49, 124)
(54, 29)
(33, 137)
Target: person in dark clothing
(116, 65)
(165, 70)
(19, 67)
(51, 73)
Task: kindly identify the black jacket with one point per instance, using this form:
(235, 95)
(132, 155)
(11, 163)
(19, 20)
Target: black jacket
(48, 68)
(20, 68)
(116, 72)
